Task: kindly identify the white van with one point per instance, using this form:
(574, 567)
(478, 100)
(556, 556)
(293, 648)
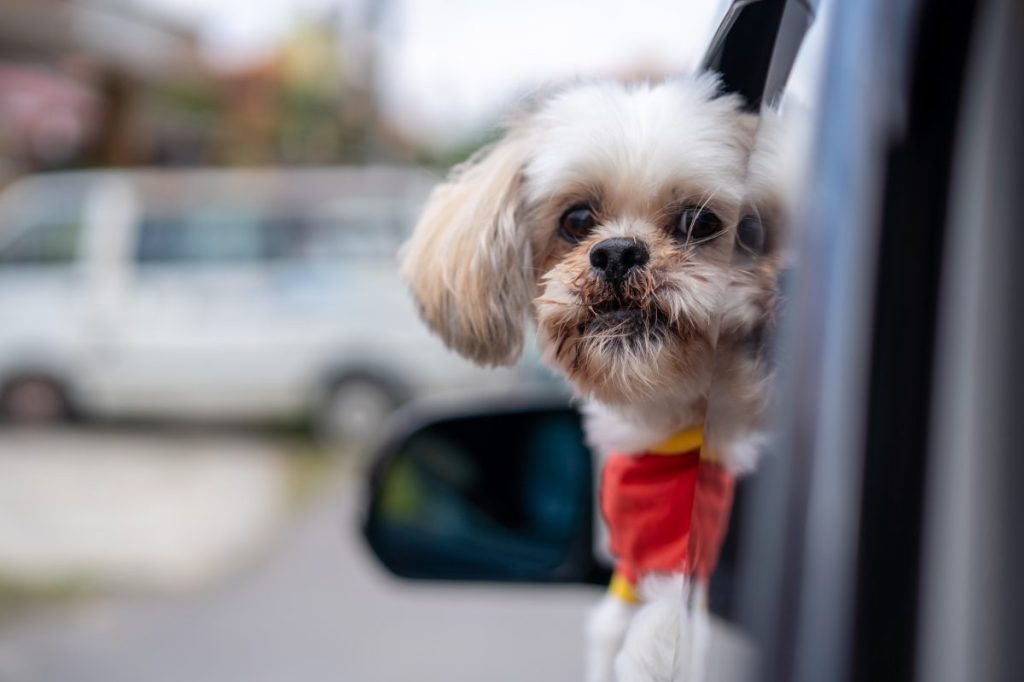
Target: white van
(230, 295)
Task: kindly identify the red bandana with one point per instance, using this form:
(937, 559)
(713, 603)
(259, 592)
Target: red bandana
(667, 512)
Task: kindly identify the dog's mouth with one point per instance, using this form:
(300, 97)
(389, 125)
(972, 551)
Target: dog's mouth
(626, 319)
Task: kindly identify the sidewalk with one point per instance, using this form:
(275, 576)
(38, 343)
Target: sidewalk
(134, 510)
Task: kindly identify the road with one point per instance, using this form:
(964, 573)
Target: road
(310, 606)
(313, 607)
(140, 508)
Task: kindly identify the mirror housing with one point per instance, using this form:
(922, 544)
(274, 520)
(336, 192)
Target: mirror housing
(495, 490)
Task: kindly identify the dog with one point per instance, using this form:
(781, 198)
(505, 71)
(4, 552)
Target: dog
(610, 215)
(667, 637)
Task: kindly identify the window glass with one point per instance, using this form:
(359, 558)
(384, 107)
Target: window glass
(44, 243)
(206, 235)
(336, 230)
(356, 228)
(42, 225)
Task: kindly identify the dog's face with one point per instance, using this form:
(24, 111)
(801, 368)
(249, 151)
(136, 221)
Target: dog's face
(609, 213)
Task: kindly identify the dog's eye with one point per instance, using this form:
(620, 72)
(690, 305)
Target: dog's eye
(698, 224)
(576, 223)
(750, 234)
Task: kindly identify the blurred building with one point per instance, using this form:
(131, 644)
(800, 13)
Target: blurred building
(312, 101)
(294, 107)
(77, 78)
(87, 83)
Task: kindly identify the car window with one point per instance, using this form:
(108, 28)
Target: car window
(47, 242)
(358, 228)
(206, 235)
(42, 232)
(238, 234)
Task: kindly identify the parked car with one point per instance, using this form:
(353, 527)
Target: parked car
(881, 539)
(227, 295)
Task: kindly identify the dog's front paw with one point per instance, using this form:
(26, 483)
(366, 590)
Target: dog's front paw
(649, 651)
(667, 639)
(606, 628)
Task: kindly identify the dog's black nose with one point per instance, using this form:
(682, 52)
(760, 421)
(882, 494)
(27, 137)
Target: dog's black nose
(615, 258)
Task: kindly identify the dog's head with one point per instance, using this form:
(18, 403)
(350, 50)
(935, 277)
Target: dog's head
(609, 212)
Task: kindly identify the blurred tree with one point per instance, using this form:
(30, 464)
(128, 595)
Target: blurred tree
(115, 54)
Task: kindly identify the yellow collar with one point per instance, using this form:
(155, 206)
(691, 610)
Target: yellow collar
(623, 589)
(684, 441)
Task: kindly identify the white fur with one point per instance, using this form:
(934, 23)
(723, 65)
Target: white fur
(621, 430)
(607, 624)
(641, 135)
(669, 636)
(742, 453)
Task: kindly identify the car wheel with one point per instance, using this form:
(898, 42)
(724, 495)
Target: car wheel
(34, 400)
(354, 411)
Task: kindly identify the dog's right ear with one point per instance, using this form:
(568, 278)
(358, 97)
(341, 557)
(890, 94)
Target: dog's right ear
(468, 261)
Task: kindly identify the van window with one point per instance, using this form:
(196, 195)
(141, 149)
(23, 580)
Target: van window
(42, 227)
(226, 234)
(212, 235)
(44, 243)
(362, 228)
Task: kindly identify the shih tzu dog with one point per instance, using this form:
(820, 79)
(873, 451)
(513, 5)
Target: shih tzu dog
(608, 215)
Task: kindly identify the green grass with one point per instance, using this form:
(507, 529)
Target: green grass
(312, 466)
(20, 595)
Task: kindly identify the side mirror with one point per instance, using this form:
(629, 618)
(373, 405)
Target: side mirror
(498, 491)
(503, 492)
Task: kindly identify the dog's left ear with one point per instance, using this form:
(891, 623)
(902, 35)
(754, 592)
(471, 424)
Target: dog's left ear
(468, 261)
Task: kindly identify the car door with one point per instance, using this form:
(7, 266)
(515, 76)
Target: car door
(46, 283)
(193, 333)
(883, 538)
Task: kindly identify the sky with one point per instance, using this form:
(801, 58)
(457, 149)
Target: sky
(458, 63)
(447, 68)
